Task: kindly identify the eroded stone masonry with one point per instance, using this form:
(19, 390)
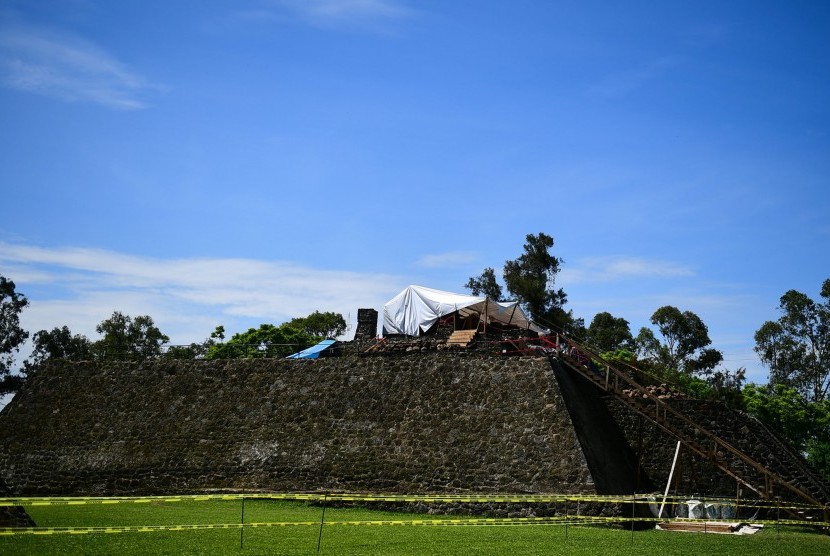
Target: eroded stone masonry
(426, 422)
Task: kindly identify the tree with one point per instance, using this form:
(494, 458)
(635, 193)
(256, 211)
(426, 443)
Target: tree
(196, 350)
(818, 446)
(11, 334)
(796, 347)
(683, 348)
(266, 341)
(59, 343)
(485, 285)
(781, 408)
(531, 279)
(127, 338)
(609, 333)
(323, 325)
(218, 335)
(726, 386)
(806, 424)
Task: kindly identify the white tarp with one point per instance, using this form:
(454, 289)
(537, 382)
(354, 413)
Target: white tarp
(417, 308)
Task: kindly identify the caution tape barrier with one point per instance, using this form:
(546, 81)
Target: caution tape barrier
(469, 522)
(427, 498)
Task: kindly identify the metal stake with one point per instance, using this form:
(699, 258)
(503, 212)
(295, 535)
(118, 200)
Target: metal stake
(322, 520)
(242, 522)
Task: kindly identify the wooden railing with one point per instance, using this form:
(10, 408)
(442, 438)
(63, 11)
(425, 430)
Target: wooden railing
(696, 437)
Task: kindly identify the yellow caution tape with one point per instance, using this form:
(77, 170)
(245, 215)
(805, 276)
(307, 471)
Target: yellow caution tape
(517, 521)
(561, 520)
(402, 498)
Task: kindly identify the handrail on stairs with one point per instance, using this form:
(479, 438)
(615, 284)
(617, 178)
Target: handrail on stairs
(584, 361)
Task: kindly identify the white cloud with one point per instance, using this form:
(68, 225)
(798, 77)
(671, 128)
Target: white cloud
(447, 260)
(66, 67)
(613, 269)
(187, 298)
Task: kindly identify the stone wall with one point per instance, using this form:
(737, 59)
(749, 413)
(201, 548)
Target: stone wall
(13, 516)
(429, 422)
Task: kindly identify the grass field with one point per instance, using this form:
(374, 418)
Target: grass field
(343, 539)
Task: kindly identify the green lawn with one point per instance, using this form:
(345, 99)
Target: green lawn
(390, 539)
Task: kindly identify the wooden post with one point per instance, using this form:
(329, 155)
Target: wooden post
(486, 307)
(671, 476)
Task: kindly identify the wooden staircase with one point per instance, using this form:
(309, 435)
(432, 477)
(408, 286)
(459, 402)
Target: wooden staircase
(799, 484)
(461, 338)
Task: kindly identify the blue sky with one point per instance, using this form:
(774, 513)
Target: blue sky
(240, 162)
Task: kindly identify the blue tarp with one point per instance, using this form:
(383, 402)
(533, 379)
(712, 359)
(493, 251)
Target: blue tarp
(313, 352)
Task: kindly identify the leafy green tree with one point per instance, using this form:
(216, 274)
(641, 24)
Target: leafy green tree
(193, 351)
(818, 454)
(531, 278)
(781, 408)
(806, 424)
(11, 334)
(324, 325)
(59, 343)
(266, 341)
(129, 339)
(817, 446)
(218, 335)
(609, 333)
(796, 347)
(727, 387)
(683, 348)
(197, 350)
(485, 285)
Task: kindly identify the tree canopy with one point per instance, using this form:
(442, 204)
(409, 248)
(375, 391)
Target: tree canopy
(531, 277)
(609, 333)
(11, 334)
(796, 347)
(684, 343)
(59, 343)
(324, 325)
(531, 280)
(806, 424)
(486, 285)
(266, 341)
(128, 338)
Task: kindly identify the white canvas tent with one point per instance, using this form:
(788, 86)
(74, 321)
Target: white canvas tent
(416, 309)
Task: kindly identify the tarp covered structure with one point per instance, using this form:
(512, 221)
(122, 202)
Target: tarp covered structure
(416, 309)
